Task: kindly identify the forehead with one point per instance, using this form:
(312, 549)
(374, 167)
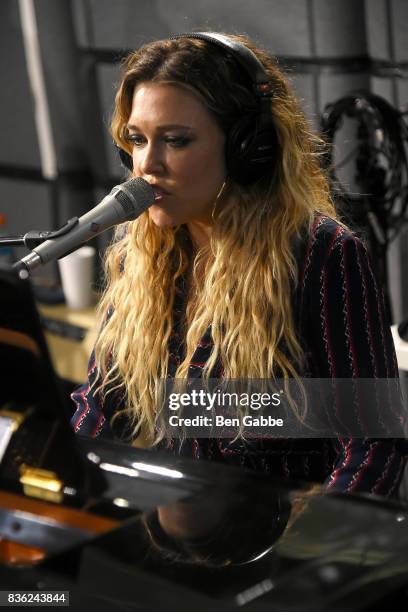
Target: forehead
(166, 103)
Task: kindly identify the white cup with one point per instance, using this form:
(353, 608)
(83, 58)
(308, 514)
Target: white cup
(77, 270)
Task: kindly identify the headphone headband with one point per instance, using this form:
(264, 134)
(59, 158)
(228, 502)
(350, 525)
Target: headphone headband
(246, 58)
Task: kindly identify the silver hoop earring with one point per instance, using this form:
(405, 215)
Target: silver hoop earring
(219, 194)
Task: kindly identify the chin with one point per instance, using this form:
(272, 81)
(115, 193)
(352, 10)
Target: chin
(161, 218)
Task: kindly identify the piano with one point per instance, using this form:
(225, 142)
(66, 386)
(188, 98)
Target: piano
(122, 528)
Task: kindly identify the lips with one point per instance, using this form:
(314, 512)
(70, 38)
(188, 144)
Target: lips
(159, 192)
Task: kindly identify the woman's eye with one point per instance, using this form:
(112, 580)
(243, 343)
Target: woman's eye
(177, 141)
(135, 139)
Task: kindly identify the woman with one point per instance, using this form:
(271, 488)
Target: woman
(239, 269)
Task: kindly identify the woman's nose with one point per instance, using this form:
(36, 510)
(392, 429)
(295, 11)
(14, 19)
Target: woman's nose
(149, 160)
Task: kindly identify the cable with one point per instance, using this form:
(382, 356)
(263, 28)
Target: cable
(381, 170)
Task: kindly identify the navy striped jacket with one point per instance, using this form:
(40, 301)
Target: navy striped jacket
(340, 319)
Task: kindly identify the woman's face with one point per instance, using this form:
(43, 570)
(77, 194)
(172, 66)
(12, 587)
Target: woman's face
(179, 149)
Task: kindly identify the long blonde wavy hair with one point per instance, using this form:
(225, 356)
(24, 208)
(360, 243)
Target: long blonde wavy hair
(248, 268)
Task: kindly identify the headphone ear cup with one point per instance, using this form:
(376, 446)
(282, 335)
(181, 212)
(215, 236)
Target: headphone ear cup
(125, 159)
(251, 149)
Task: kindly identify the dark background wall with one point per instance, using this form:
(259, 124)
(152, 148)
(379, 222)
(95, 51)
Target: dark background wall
(328, 47)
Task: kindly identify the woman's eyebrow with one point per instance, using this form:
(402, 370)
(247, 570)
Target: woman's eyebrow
(167, 126)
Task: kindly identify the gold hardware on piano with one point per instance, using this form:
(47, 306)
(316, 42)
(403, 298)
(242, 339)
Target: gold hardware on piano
(41, 484)
(15, 417)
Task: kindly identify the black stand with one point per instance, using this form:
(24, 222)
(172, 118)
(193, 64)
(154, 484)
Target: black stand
(36, 237)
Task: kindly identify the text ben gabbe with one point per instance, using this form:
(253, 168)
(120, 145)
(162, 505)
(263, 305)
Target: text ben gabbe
(213, 401)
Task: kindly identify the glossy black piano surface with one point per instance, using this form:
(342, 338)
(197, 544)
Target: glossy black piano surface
(185, 535)
(209, 537)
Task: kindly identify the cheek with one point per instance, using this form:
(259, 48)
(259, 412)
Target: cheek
(206, 170)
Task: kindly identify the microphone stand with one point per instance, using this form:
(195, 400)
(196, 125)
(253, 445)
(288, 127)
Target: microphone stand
(33, 239)
(36, 237)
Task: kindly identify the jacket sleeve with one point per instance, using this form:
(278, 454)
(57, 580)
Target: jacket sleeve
(351, 339)
(368, 466)
(89, 418)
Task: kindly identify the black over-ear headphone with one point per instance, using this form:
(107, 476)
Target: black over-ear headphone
(252, 146)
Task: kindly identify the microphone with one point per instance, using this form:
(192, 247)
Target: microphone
(124, 203)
